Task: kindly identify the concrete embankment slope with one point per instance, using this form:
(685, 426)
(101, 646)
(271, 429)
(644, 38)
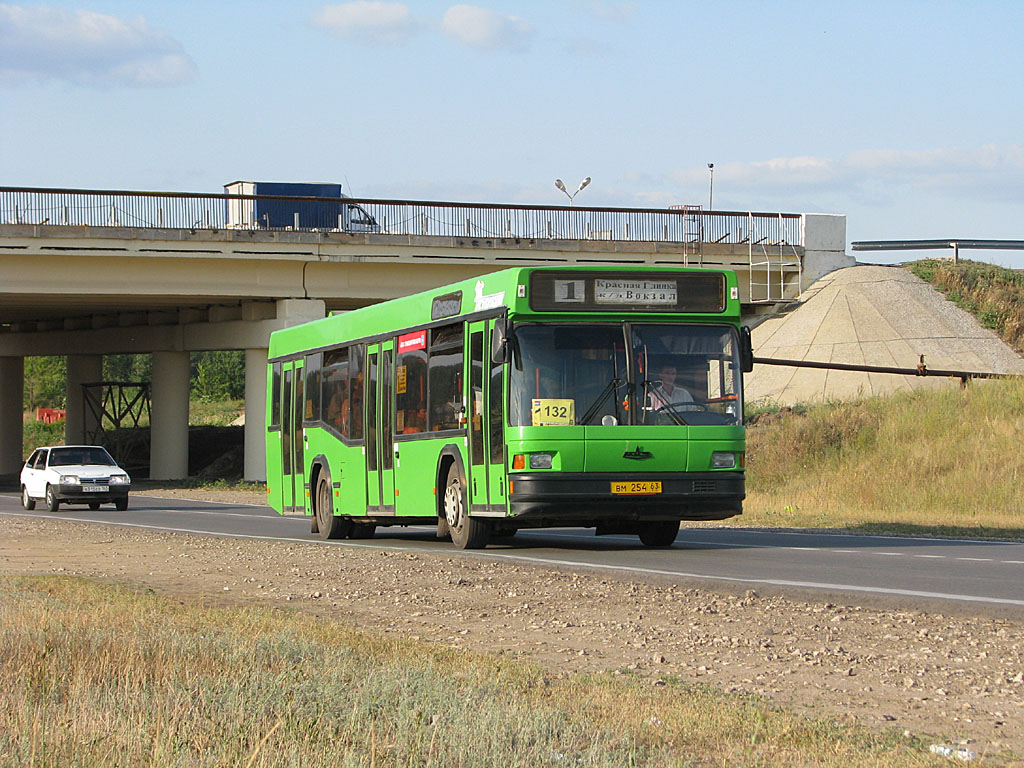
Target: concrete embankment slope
(870, 315)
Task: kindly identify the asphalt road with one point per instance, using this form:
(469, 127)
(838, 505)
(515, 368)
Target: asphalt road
(983, 577)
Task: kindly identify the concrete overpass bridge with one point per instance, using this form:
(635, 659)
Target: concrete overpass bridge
(87, 273)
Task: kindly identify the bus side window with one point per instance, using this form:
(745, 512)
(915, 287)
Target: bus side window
(312, 408)
(335, 390)
(445, 377)
(411, 392)
(275, 397)
(356, 391)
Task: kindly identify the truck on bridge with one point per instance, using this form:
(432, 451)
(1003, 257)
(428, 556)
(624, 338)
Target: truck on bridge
(262, 205)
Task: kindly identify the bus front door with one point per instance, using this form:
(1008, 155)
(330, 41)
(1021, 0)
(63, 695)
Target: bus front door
(380, 440)
(486, 420)
(293, 408)
(496, 420)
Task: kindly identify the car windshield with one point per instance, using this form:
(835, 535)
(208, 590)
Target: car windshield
(631, 373)
(64, 457)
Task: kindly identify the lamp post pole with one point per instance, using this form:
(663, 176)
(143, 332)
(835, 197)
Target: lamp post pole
(711, 188)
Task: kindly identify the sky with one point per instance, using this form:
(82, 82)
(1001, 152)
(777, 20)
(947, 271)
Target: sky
(905, 116)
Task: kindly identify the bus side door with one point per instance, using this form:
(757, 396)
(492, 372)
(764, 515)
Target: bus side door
(486, 424)
(293, 409)
(380, 443)
(477, 406)
(496, 419)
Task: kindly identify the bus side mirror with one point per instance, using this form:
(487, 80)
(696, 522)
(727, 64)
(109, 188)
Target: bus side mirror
(746, 350)
(501, 348)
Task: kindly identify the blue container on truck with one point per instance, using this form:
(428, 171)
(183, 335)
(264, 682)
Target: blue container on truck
(333, 213)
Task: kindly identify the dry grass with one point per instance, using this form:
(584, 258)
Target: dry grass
(994, 295)
(102, 676)
(942, 461)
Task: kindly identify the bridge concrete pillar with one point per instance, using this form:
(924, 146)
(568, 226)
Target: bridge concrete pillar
(255, 463)
(12, 392)
(81, 369)
(168, 452)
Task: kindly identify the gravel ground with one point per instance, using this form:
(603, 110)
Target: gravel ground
(955, 678)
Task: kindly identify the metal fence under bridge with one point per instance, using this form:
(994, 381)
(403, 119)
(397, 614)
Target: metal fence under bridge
(194, 211)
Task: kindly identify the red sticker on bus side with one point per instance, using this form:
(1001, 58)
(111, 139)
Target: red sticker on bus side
(412, 341)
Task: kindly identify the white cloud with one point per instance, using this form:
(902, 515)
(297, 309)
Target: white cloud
(42, 43)
(483, 28)
(986, 170)
(612, 11)
(367, 20)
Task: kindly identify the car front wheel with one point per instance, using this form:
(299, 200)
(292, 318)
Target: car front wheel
(52, 502)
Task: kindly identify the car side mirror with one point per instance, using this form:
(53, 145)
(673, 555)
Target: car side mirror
(746, 350)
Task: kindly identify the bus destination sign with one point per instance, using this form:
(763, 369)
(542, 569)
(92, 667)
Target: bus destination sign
(649, 292)
(620, 291)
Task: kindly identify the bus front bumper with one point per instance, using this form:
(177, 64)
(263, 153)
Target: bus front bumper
(582, 497)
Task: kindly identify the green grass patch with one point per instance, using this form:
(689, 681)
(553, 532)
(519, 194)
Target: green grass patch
(99, 675)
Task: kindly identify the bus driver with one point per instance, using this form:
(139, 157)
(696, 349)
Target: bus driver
(665, 391)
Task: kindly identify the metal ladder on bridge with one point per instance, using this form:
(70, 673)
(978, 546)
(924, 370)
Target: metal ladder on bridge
(768, 253)
(693, 235)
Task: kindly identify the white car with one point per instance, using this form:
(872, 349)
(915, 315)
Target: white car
(73, 474)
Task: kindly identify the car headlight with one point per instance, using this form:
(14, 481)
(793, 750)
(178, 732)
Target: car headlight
(723, 460)
(69, 480)
(118, 479)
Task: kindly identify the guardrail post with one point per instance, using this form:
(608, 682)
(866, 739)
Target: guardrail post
(469, 228)
(547, 228)
(423, 223)
(206, 219)
(160, 217)
(295, 220)
(112, 221)
(508, 227)
(64, 215)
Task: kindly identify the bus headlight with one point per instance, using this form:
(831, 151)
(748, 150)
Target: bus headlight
(723, 460)
(540, 461)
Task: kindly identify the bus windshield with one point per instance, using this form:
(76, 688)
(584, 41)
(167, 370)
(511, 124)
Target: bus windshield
(626, 373)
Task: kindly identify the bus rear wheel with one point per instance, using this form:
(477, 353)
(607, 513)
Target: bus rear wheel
(466, 532)
(659, 533)
(329, 525)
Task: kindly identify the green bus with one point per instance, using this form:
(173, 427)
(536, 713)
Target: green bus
(525, 398)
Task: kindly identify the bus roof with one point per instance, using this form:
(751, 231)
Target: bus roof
(505, 290)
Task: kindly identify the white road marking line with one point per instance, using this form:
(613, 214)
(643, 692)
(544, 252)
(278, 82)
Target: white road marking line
(481, 554)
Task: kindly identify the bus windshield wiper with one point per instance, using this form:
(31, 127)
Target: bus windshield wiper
(610, 387)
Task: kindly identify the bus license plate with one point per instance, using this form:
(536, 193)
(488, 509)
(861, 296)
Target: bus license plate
(637, 487)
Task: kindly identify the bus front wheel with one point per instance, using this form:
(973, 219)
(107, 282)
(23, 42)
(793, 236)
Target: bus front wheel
(466, 532)
(659, 533)
(329, 525)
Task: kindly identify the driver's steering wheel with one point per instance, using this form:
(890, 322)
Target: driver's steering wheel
(683, 407)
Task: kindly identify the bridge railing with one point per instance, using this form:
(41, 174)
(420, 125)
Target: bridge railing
(196, 211)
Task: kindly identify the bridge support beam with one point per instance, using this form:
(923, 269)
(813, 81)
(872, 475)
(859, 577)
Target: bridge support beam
(255, 462)
(81, 369)
(12, 391)
(168, 452)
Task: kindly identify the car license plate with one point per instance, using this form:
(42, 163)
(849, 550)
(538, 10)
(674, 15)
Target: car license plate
(636, 487)
(95, 488)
